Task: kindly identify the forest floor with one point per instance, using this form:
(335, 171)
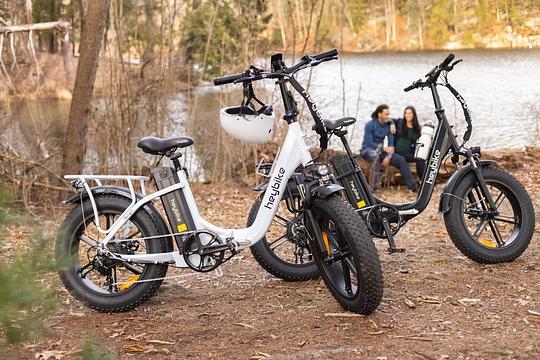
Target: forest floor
(437, 303)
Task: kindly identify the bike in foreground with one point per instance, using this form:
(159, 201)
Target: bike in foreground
(116, 247)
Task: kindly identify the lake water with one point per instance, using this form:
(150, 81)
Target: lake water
(502, 88)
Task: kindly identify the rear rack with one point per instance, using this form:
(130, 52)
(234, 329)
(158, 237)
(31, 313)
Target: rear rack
(83, 181)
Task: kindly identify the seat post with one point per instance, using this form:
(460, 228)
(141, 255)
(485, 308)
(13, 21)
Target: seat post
(175, 160)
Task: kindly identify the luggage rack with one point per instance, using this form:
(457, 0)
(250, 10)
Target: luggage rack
(84, 181)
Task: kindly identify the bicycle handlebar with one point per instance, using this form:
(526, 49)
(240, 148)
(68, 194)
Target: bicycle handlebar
(447, 61)
(250, 75)
(227, 79)
(433, 75)
(326, 54)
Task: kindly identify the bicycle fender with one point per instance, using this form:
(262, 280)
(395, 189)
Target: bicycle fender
(122, 191)
(446, 200)
(324, 191)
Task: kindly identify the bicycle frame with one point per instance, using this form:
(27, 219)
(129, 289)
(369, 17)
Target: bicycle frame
(293, 153)
(443, 142)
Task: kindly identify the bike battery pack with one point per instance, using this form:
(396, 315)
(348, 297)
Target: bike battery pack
(174, 203)
(353, 188)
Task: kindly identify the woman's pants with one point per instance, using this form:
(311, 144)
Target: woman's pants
(420, 164)
(396, 160)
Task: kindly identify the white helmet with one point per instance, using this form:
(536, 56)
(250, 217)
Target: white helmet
(246, 124)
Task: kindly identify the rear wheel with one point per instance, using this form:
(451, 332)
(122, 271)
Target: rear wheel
(347, 259)
(491, 237)
(99, 281)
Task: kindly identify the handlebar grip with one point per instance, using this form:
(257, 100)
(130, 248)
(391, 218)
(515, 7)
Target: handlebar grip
(326, 54)
(227, 79)
(409, 88)
(447, 61)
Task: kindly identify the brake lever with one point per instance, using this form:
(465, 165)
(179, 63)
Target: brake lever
(255, 70)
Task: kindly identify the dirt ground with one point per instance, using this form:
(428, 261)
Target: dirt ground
(437, 304)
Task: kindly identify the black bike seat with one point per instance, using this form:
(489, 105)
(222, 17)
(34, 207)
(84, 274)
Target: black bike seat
(337, 123)
(158, 146)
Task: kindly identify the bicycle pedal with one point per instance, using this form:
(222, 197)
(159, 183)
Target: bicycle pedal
(392, 250)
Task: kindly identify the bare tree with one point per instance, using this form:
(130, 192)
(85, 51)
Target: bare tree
(80, 111)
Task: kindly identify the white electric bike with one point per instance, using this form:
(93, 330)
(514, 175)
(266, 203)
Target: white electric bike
(114, 247)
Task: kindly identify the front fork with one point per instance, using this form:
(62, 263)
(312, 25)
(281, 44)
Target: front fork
(477, 170)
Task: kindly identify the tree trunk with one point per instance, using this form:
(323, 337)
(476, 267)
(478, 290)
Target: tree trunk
(387, 23)
(81, 105)
(149, 53)
(282, 25)
(394, 25)
(28, 11)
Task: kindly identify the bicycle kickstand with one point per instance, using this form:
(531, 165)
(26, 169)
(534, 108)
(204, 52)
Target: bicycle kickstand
(392, 244)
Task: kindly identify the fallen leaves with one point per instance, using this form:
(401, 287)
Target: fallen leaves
(162, 342)
(55, 354)
(50, 354)
(260, 355)
(410, 303)
(342, 315)
(469, 301)
(243, 325)
(138, 348)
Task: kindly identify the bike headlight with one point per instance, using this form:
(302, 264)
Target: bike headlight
(323, 170)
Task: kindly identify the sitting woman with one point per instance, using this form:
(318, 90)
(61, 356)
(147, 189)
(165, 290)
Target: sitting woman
(407, 132)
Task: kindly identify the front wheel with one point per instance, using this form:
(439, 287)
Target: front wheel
(485, 237)
(346, 255)
(284, 251)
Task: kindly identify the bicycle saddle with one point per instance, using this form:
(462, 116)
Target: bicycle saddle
(334, 124)
(158, 146)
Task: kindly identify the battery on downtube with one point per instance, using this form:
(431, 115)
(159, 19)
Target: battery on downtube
(174, 203)
(353, 188)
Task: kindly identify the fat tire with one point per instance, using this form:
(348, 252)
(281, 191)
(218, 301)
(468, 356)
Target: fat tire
(272, 263)
(136, 294)
(463, 240)
(353, 230)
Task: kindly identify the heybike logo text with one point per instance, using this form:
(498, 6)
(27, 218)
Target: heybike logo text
(433, 166)
(175, 210)
(274, 188)
(312, 104)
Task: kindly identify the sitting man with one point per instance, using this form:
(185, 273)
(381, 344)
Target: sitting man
(374, 152)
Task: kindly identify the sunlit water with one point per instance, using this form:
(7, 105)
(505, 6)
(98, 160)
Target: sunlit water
(501, 87)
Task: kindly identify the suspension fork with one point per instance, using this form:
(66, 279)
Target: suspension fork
(304, 189)
(477, 170)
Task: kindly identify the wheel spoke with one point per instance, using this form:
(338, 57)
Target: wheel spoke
(133, 269)
(473, 212)
(281, 220)
(346, 276)
(132, 235)
(506, 219)
(480, 199)
(88, 240)
(335, 243)
(499, 200)
(108, 221)
(115, 278)
(479, 229)
(279, 241)
(351, 266)
(496, 232)
(81, 270)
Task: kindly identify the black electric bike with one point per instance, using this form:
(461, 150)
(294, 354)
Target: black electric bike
(488, 214)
